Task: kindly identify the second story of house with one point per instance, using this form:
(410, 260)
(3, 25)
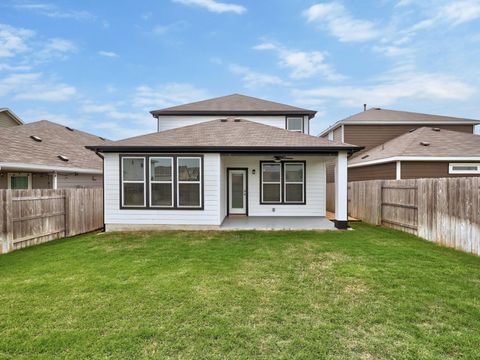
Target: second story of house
(235, 106)
(376, 126)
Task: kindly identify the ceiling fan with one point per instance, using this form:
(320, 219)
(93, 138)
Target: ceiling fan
(279, 158)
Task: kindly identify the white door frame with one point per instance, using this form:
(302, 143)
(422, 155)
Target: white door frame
(244, 210)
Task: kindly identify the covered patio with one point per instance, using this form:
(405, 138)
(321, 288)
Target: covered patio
(240, 222)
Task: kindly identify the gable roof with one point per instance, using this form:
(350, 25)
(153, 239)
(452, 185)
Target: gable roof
(385, 116)
(234, 104)
(440, 143)
(12, 115)
(225, 135)
(17, 147)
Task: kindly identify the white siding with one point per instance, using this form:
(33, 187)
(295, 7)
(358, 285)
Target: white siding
(315, 187)
(176, 121)
(210, 215)
(79, 181)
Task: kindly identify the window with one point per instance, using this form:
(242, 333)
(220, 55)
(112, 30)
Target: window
(271, 183)
(133, 181)
(294, 180)
(295, 124)
(189, 182)
(464, 168)
(161, 181)
(19, 181)
(282, 183)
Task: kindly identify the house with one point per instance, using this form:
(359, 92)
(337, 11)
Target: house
(220, 162)
(374, 127)
(424, 152)
(46, 155)
(8, 118)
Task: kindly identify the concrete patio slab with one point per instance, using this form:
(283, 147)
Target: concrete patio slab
(277, 223)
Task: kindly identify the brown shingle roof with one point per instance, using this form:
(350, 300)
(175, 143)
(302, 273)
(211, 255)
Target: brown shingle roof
(17, 146)
(395, 116)
(225, 135)
(441, 143)
(234, 104)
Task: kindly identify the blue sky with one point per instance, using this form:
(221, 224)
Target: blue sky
(100, 66)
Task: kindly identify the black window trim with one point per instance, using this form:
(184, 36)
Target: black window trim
(282, 182)
(147, 181)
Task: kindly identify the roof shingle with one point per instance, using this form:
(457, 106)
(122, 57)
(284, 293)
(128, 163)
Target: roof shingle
(226, 134)
(17, 146)
(234, 104)
(441, 143)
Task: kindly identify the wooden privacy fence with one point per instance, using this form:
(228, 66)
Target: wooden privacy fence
(30, 217)
(445, 211)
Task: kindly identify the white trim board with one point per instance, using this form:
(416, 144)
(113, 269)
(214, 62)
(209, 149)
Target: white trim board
(46, 168)
(416, 158)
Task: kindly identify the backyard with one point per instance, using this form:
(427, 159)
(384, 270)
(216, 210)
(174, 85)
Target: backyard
(369, 293)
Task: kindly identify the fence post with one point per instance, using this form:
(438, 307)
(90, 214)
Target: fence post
(67, 195)
(7, 245)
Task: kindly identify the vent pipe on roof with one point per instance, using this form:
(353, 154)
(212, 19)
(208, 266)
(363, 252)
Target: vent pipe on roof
(364, 107)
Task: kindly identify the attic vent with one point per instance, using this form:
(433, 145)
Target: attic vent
(36, 138)
(237, 120)
(68, 128)
(63, 157)
(102, 138)
(436, 129)
(378, 108)
(412, 130)
(424, 143)
(365, 156)
(223, 120)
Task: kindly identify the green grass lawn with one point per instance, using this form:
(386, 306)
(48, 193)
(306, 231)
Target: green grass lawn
(367, 294)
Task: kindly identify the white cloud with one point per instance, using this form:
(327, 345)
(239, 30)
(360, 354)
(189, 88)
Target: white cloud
(392, 88)
(35, 87)
(163, 95)
(53, 11)
(110, 54)
(340, 23)
(13, 40)
(253, 79)
(304, 64)
(214, 6)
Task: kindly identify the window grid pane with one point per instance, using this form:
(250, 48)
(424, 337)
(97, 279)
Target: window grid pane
(294, 180)
(133, 181)
(189, 184)
(271, 182)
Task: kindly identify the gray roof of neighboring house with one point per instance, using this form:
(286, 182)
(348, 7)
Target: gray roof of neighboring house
(377, 115)
(225, 135)
(17, 146)
(441, 143)
(12, 115)
(234, 104)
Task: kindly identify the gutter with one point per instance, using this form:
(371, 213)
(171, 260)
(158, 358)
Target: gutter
(229, 150)
(47, 168)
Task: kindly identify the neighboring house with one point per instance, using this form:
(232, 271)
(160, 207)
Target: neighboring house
(373, 127)
(219, 158)
(420, 153)
(8, 118)
(46, 155)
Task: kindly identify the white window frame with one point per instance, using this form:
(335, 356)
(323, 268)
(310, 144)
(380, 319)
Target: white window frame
(199, 182)
(285, 182)
(28, 175)
(451, 169)
(279, 182)
(134, 182)
(296, 118)
(171, 182)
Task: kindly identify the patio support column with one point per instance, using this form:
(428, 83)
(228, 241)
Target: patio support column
(341, 191)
